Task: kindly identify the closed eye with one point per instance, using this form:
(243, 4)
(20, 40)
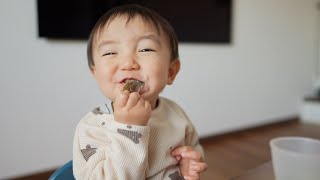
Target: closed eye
(109, 53)
(146, 50)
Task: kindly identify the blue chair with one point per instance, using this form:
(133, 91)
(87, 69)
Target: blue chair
(63, 173)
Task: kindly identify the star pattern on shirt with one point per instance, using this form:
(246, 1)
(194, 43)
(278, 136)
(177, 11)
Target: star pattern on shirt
(176, 176)
(97, 111)
(133, 135)
(88, 152)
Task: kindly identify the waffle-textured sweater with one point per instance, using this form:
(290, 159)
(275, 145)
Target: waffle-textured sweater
(106, 149)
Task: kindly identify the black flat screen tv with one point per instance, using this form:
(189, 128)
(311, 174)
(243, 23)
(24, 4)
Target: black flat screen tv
(206, 21)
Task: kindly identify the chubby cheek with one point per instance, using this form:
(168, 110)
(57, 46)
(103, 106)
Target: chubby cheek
(159, 77)
(104, 78)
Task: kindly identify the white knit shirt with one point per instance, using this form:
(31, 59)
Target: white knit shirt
(106, 149)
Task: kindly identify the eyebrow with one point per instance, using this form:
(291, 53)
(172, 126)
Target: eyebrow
(151, 37)
(107, 42)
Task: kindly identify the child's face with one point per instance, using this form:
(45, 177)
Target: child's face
(133, 50)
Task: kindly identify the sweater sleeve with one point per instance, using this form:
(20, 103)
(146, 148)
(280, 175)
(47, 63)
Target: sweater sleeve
(191, 134)
(106, 149)
(192, 139)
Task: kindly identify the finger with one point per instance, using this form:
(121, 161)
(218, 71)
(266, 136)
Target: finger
(122, 99)
(141, 102)
(198, 166)
(188, 178)
(133, 99)
(195, 155)
(178, 158)
(192, 177)
(179, 150)
(194, 174)
(147, 105)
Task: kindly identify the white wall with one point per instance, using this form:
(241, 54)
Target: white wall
(46, 87)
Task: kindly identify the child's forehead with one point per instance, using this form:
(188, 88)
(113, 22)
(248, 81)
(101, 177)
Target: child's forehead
(127, 22)
(136, 20)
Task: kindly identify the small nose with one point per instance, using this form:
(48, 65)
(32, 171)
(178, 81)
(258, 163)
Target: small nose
(129, 63)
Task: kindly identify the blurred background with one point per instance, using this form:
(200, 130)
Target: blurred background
(260, 77)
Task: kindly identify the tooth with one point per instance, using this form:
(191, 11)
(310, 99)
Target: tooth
(133, 85)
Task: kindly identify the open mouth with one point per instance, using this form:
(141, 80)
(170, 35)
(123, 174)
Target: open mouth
(132, 85)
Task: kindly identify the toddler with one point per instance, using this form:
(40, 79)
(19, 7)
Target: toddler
(138, 135)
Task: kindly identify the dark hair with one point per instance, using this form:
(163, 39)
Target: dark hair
(131, 11)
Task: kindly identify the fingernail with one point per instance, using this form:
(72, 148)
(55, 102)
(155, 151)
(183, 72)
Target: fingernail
(178, 158)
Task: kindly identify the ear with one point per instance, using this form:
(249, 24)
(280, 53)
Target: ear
(173, 71)
(93, 70)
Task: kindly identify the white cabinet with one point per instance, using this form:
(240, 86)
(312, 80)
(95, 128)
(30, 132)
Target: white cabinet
(310, 110)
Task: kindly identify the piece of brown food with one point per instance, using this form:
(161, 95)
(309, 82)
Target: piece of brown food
(133, 85)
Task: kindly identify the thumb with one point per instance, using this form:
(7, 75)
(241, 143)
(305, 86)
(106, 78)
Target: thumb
(122, 99)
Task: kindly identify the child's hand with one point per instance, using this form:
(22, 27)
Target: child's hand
(131, 108)
(190, 162)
